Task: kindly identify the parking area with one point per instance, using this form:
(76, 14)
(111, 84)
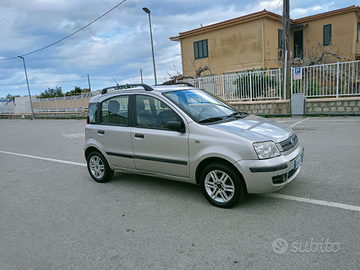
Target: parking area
(54, 216)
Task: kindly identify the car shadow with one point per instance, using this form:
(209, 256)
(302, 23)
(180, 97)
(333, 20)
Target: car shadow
(175, 189)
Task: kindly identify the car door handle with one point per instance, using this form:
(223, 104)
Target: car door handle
(137, 135)
(101, 132)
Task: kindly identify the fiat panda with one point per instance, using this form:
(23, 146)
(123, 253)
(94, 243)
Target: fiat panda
(180, 132)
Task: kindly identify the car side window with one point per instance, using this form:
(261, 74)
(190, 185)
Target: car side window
(153, 113)
(92, 113)
(114, 111)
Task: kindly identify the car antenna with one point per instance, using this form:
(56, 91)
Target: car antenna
(114, 80)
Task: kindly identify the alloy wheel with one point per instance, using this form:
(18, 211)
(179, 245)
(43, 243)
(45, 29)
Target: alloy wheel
(219, 186)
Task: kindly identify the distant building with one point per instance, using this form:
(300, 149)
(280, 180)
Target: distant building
(246, 42)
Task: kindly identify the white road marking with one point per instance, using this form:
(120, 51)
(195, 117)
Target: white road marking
(74, 136)
(272, 195)
(299, 122)
(43, 158)
(312, 201)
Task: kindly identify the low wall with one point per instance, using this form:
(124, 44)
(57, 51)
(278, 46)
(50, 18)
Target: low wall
(322, 106)
(319, 106)
(267, 107)
(350, 105)
(47, 115)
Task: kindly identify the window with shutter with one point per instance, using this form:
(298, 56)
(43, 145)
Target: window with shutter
(201, 49)
(280, 41)
(327, 35)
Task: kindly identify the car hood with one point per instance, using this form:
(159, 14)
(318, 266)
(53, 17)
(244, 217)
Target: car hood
(256, 128)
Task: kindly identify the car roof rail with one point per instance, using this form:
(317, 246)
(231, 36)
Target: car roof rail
(127, 86)
(186, 83)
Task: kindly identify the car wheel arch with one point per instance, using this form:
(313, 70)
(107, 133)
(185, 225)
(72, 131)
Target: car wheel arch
(91, 149)
(210, 160)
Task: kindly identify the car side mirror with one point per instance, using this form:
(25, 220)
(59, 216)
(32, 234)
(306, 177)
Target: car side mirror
(175, 125)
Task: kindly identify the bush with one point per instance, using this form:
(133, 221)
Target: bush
(254, 84)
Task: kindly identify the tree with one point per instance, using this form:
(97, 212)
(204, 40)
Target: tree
(51, 93)
(312, 56)
(174, 74)
(201, 70)
(318, 55)
(11, 97)
(77, 91)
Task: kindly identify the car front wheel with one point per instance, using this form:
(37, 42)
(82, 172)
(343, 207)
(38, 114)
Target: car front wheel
(99, 168)
(222, 185)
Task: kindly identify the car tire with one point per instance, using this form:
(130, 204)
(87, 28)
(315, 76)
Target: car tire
(222, 185)
(99, 168)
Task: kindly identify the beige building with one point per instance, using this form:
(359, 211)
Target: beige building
(254, 41)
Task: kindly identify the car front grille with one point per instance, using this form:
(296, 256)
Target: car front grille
(289, 143)
(282, 178)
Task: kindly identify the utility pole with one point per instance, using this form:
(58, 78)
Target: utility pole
(27, 81)
(141, 75)
(286, 45)
(89, 82)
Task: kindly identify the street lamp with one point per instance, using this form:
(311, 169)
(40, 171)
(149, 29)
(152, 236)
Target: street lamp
(152, 45)
(27, 81)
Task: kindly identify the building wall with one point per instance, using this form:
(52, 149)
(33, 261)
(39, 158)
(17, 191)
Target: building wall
(343, 35)
(252, 43)
(234, 48)
(271, 43)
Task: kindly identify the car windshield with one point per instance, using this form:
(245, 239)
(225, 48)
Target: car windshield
(202, 107)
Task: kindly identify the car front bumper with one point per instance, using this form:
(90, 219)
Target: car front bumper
(263, 176)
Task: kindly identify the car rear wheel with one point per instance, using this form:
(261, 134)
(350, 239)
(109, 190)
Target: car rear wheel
(99, 168)
(222, 185)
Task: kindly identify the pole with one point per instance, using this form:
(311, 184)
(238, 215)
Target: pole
(285, 75)
(89, 82)
(337, 79)
(141, 74)
(27, 81)
(152, 44)
(286, 43)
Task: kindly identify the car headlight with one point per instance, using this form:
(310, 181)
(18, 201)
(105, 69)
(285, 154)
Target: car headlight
(266, 149)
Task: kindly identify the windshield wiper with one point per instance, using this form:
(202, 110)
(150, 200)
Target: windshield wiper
(238, 115)
(211, 119)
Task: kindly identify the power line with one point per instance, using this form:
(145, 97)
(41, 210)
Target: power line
(79, 80)
(35, 83)
(44, 82)
(68, 35)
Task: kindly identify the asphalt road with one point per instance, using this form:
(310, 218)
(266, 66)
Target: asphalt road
(54, 216)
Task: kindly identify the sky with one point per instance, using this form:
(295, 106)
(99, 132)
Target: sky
(117, 46)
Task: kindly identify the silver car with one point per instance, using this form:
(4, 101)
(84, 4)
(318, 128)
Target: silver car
(180, 132)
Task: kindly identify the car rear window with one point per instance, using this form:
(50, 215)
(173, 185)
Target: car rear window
(92, 113)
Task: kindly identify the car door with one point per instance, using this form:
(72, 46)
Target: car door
(156, 148)
(113, 133)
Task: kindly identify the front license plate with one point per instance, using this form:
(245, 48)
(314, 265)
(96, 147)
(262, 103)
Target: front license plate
(299, 161)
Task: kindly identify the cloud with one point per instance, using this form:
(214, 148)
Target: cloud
(116, 45)
(311, 10)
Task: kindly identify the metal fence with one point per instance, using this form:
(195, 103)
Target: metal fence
(329, 80)
(62, 104)
(251, 85)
